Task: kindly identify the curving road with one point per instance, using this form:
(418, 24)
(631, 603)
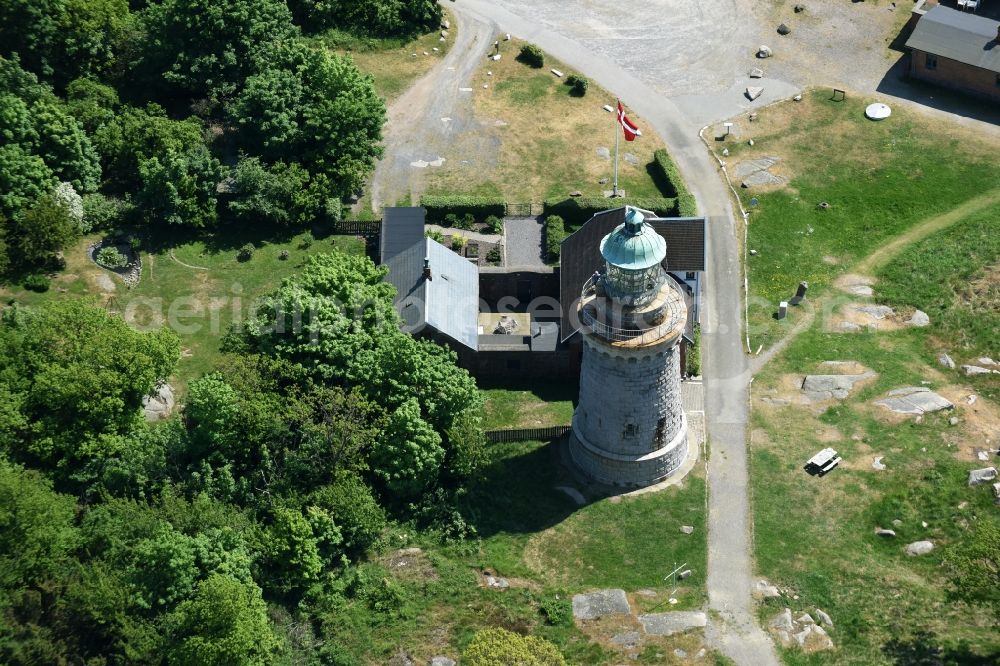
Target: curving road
(576, 33)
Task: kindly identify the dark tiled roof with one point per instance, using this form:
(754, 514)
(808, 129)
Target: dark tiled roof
(401, 228)
(581, 254)
(960, 36)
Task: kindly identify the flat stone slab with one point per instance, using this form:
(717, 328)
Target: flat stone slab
(667, 624)
(976, 370)
(914, 400)
(747, 167)
(817, 388)
(602, 603)
(753, 92)
(875, 311)
(761, 179)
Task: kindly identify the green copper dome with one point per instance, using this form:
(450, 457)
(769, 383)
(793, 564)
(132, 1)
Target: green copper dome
(634, 245)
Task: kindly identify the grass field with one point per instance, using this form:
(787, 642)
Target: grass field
(391, 62)
(880, 179)
(197, 287)
(539, 405)
(549, 138)
(548, 549)
(954, 276)
(815, 536)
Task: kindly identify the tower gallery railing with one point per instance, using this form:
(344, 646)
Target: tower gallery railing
(655, 323)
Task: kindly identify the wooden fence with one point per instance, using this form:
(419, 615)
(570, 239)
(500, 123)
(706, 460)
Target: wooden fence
(526, 434)
(356, 227)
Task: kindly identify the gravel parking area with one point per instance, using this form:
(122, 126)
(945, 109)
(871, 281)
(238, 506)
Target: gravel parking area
(523, 238)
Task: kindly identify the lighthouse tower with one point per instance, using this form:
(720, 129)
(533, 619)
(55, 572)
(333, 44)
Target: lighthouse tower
(629, 428)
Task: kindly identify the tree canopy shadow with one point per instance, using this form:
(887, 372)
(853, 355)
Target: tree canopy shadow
(925, 648)
(516, 493)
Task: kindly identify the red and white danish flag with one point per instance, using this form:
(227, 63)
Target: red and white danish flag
(631, 130)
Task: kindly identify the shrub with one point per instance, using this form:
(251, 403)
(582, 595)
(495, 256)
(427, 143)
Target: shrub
(499, 647)
(495, 224)
(354, 509)
(693, 359)
(532, 56)
(578, 85)
(101, 212)
(439, 206)
(555, 233)
(110, 257)
(495, 255)
(673, 184)
(307, 240)
(466, 222)
(434, 235)
(577, 210)
(457, 243)
(37, 282)
(450, 220)
(558, 611)
(246, 252)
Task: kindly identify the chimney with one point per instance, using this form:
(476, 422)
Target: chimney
(427, 269)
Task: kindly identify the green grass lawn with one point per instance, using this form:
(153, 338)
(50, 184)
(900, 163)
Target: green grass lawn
(880, 180)
(549, 549)
(198, 300)
(816, 537)
(954, 276)
(539, 405)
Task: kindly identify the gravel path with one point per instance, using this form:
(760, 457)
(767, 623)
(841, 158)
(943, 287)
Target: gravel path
(434, 119)
(523, 236)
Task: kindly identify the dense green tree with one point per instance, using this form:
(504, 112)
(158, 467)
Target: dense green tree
(77, 376)
(225, 623)
(61, 39)
(499, 647)
(139, 134)
(65, 147)
(36, 528)
(93, 104)
(293, 551)
(207, 48)
(280, 194)
(317, 108)
(35, 237)
(382, 18)
(408, 455)
(351, 505)
(180, 188)
(24, 179)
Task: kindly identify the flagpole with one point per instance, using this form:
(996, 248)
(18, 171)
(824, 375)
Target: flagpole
(614, 190)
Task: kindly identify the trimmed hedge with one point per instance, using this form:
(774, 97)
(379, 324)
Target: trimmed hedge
(479, 207)
(675, 186)
(532, 56)
(555, 233)
(580, 209)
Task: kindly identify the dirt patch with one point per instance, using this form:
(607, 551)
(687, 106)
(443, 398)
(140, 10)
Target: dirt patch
(854, 317)
(854, 284)
(410, 565)
(983, 293)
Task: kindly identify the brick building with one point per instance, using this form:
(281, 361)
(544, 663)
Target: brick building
(957, 50)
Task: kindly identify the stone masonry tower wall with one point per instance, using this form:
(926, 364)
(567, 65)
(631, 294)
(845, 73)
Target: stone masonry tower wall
(629, 427)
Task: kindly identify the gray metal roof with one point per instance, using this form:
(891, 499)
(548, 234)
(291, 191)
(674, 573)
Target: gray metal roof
(448, 302)
(961, 36)
(401, 228)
